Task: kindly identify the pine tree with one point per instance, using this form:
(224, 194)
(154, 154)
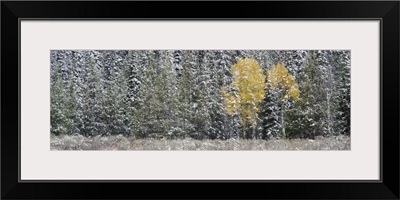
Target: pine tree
(306, 118)
(78, 75)
(115, 99)
(92, 105)
(201, 95)
(145, 115)
(171, 95)
(185, 90)
(58, 116)
(284, 86)
(220, 77)
(270, 108)
(138, 82)
(133, 77)
(270, 115)
(157, 104)
(167, 92)
(342, 75)
(63, 106)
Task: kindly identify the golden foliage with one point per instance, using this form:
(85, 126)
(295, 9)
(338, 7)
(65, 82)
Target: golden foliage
(248, 90)
(279, 78)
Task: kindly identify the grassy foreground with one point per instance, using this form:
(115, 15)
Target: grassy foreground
(78, 142)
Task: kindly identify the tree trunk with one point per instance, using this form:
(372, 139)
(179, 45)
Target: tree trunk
(244, 132)
(254, 130)
(329, 114)
(283, 121)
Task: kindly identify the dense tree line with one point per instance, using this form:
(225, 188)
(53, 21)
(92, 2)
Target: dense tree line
(183, 93)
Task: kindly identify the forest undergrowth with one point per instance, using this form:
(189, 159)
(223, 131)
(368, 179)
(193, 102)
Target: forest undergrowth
(119, 142)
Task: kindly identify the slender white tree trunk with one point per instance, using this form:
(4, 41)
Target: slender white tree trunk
(329, 114)
(254, 130)
(283, 121)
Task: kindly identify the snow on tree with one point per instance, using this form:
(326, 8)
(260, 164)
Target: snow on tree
(284, 86)
(115, 99)
(306, 119)
(58, 120)
(220, 76)
(201, 94)
(92, 106)
(185, 91)
(342, 63)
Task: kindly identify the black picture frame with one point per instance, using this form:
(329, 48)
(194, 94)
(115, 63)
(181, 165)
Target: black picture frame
(385, 11)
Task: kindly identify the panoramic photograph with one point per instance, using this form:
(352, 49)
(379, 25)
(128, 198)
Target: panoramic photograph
(200, 100)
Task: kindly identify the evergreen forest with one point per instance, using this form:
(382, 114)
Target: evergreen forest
(200, 94)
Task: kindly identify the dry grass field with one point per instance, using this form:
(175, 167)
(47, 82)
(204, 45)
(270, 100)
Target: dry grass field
(78, 142)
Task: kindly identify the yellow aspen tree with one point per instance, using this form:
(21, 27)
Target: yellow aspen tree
(284, 84)
(247, 92)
